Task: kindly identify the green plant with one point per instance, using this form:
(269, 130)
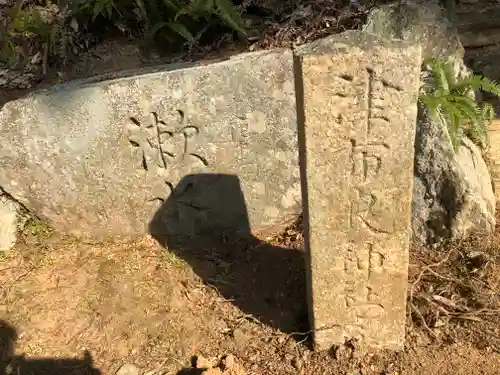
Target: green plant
(226, 12)
(10, 50)
(32, 24)
(186, 19)
(451, 100)
(159, 20)
(106, 8)
(51, 26)
(38, 228)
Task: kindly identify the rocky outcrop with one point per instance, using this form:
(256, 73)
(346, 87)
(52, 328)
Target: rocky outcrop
(453, 195)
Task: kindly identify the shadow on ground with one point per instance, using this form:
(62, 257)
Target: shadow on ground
(19, 365)
(205, 222)
(190, 371)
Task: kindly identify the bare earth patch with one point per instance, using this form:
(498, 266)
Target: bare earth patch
(83, 308)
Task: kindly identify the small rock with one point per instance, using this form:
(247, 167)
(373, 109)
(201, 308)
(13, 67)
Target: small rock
(128, 369)
(229, 362)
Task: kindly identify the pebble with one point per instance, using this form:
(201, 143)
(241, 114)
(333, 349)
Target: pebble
(229, 361)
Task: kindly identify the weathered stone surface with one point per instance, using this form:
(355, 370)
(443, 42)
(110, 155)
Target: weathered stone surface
(359, 113)
(422, 22)
(452, 191)
(8, 222)
(453, 195)
(98, 158)
(478, 25)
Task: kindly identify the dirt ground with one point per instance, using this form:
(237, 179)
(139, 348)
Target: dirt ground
(73, 307)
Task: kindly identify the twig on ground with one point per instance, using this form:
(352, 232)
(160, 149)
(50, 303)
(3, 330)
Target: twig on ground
(18, 279)
(248, 317)
(440, 276)
(424, 323)
(449, 303)
(225, 300)
(467, 317)
(419, 278)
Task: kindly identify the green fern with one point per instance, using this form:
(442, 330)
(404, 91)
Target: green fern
(202, 6)
(451, 100)
(223, 9)
(229, 14)
(163, 24)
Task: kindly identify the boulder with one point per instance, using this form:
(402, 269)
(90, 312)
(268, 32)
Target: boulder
(452, 193)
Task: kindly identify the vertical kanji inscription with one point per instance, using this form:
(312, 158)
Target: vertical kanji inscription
(359, 125)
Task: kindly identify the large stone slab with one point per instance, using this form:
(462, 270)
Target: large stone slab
(358, 110)
(99, 157)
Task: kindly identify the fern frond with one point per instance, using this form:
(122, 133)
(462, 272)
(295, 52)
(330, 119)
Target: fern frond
(181, 30)
(439, 75)
(230, 15)
(142, 9)
(454, 122)
(448, 73)
(202, 6)
(451, 102)
(488, 112)
(477, 134)
(466, 105)
(431, 102)
(171, 5)
(478, 82)
(480, 132)
(449, 109)
(196, 9)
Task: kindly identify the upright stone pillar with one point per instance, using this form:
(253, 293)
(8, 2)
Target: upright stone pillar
(357, 108)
